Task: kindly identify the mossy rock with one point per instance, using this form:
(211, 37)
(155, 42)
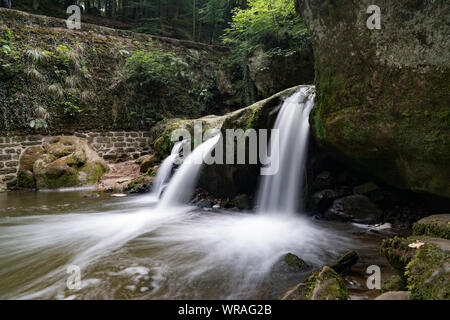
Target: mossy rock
(395, 283)
(382, 95)
(324, 284)
(62, 162)
(428, 273)
(433, 226)
(148, 162)
(25, 176)
(423, 264)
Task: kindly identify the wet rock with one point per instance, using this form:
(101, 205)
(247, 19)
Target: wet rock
(322, 200)
(343, 265)
(394, 295)
(62, 162)
(290, 263)
(3, 187)
(204, 204)
(141, 184)
(434, 226)
(324, 180)
(324, 284)
(147, 162)
(91, 195)
(242, 202)
(356, 208)
(216, 207)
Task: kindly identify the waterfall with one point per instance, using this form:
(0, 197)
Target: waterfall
(281, 192)
(165, 170)
(182, 185)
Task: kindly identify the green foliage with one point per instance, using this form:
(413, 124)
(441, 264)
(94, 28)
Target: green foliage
(70, 106)
(154, 68)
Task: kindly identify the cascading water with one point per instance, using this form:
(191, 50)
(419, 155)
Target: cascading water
(279, 193)
(167, 251)
(182, 185)
(165, 170)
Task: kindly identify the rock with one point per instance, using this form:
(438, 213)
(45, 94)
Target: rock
(204, 204)
(216, 206)
(290, 263)
(25, 174)
(395, 283)
(147, 162)
(428, 273)
(433, 226)
(141, 184)
(324, 180)
(394, 295)
(273, 73)
(324, 284)
(322, 200)
(365, 188)
(242, 202)
(61, 162)
(356, 208)
(401, 135)
(423, 263)
(343, 265)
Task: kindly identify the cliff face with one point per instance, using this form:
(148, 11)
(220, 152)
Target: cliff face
(383, 95)
(53, 79)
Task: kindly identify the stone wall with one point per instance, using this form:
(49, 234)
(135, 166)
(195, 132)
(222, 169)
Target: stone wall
(113, 146)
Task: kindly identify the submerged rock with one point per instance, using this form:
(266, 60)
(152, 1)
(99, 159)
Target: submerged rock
(356, 208)
(343, 264)
(382, 103)
(324, 284)
(435, 226)
(61, 162)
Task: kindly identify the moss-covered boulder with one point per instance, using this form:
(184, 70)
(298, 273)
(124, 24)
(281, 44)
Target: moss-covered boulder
(423, 264)
(25, 175)
(434, 226)
(324, 284)
(382, 103)
(62, 162)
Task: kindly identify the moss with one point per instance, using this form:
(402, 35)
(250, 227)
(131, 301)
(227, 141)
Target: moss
(395, 283)
(397, 252)
(434, 226)
(428, 276)
(25, 179)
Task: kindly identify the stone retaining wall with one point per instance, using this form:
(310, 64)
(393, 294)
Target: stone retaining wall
(113, 146)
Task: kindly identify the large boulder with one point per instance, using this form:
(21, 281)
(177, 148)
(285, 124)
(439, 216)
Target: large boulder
(61, 162)
(382, 102)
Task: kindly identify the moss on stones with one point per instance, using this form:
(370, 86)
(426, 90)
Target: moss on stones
(324, 284)
(433, 226)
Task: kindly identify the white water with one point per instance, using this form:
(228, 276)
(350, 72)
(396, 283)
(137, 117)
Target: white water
(128, 250)
(280, 193)
(182, 185)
